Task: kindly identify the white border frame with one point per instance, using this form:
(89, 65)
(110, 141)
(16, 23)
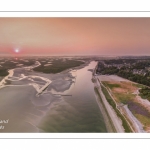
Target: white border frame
(74, 135)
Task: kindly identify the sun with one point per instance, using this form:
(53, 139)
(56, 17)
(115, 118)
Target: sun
(17, 50)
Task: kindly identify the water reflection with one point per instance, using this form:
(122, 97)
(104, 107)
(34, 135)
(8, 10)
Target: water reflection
(79, 112)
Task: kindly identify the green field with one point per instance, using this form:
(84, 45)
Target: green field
(111, 86)
(123, 96)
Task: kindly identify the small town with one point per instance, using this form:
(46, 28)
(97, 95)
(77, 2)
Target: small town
(136, 69)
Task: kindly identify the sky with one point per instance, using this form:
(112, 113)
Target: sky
(75, 36)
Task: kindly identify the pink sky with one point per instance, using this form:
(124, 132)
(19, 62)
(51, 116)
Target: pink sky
(75, 36)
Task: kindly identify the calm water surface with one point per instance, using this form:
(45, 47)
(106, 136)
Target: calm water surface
(79, 112)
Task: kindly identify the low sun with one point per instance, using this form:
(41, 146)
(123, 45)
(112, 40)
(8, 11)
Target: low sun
(17, 50)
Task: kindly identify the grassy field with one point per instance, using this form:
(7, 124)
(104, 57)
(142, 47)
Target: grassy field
(124, 98)
(112, 103)
(124, 92)
(144, 91)
(145, 121)
(57, 65)
(111, 86)
(139, 85)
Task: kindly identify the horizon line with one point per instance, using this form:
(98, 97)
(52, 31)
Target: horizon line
(6, 55)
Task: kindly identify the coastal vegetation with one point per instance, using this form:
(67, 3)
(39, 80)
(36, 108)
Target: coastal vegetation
(145, 93)
(124, 93)
(112, 103)
(136, 70)
(3, 72)
(48, 65)
(11, 63)
(107, 114)
(57, 65)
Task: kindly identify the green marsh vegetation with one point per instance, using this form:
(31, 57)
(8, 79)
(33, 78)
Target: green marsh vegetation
(57, 65)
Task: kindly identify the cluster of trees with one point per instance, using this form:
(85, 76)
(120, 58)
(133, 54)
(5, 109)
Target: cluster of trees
(3, 72)
(111, 70)
(145, 93)
(125, 73)
(114, 61)
(106, 70)
(135, 63)
(134, 77)
(141, 65)
(120, 61)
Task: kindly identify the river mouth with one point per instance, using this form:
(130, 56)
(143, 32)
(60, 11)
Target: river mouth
(65, 102)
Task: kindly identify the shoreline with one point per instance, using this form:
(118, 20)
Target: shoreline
(125, 114)
(35, 99)
(113, 123)
(116, 121)
(31, 105)
(89, 111)
(108, 122)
